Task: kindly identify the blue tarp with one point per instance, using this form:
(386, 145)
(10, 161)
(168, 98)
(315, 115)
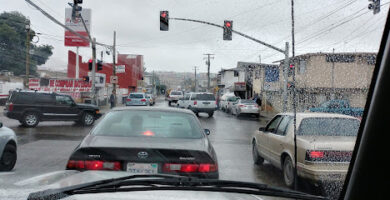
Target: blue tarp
(271, 73)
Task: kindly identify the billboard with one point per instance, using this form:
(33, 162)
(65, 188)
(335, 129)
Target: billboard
(77, 26)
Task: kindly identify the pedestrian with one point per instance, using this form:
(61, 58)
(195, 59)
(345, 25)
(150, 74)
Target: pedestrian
(112, 99)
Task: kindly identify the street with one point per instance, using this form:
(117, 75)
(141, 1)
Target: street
(47, 147)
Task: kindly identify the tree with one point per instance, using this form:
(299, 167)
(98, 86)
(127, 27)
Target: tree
(13, 36)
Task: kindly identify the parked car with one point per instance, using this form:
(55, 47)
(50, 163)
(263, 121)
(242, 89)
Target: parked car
(147, 141)
(230, 102)
(246, 106)
(174, 96)
(8, 143)
(32, 107)
(150, 100)
(324, 145)
(224, 101)
(136, 99)
(338, 106)
(202, 102)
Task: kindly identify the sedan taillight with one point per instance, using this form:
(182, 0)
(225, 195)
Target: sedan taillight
(195, 103)
(128, 99)
(93, 165)
(10, 106)
(143, 100)
(189, 168)
(242, 106)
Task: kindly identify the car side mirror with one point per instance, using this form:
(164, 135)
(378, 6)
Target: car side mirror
(207, 131)
(1, 124)
(262, 129)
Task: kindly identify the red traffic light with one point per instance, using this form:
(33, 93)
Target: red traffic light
(163, 14)
(228, 24)
(90, 61)
(291, 66)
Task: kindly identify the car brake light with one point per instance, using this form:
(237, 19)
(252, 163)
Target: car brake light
(195, 103)
(316, 154)
(128, 99)
(93, 165)
(242, 105)
(10, 106)
(143, 100)
(148, 133)
(189, 168)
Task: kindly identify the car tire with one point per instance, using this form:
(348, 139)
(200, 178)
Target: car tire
(169, 103)
(30, 119)
(257, 115)
(8, 158)
(87, 119)
(211, 114)
(288, 172)
(257, 159)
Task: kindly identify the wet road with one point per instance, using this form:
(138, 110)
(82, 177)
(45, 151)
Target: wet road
(47, 147)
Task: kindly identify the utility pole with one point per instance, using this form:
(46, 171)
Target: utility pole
(101, 56)
(285, 76)
(113, 62)
(28, 29)
(93, 89)
(195, 89)
(77, 63)
(208, 69)
(333, 87)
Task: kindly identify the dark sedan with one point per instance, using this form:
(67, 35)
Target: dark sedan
(147, 141)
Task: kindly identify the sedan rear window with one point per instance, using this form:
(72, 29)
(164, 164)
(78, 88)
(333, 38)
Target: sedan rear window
(205, 97)
(137, 96)
(149, 124)
(176, 93)
(329, 127)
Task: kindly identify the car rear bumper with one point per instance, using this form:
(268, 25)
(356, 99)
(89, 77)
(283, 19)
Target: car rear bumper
(313, 173)
(206, 110)
(249, 111)
(11, 115)
(137, 104)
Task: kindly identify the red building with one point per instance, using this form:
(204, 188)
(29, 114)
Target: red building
(128, 79)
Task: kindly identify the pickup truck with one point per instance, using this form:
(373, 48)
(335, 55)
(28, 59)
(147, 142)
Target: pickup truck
(338, 106)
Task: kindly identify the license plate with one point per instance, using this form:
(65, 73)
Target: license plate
(142, 168)
(206, 102)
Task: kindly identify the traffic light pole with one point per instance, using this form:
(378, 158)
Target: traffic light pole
(285, 52)
(93, 71)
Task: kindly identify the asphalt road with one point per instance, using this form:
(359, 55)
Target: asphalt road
(47, 147)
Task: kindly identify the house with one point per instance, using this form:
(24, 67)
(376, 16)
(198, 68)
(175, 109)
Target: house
(324, 76)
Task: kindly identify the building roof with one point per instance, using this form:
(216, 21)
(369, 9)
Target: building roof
(327, 53)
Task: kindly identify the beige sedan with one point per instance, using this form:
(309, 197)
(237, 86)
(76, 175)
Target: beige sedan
(324, 145)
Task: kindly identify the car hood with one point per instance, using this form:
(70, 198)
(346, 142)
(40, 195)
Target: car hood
(341, 143)
(84, 105)
(66, 178)
(144, 142)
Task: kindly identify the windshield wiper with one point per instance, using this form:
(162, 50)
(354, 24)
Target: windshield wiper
(169, 182)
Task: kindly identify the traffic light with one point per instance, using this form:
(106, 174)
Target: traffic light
(227, 30)
(90, 62)
(76, 9)
(86, 78)
(99, 65)
(291, 70)
(164, 20)
(375, 6)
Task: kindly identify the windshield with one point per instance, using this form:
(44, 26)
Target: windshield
(148, 124)
(329, 127)
(109, 77)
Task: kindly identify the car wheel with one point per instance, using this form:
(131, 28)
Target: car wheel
(257, 159)
(288, 172)
(211, 114)
(88, 119)
(8, 159)
(169, 103)
(257, 115)
(30, 119)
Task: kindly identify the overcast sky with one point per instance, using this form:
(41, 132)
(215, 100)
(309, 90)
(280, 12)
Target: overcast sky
(321, 25)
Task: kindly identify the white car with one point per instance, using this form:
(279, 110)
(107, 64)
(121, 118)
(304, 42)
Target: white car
(201, 102)
(174, 96)
(324, 145)
(224, 101)
(8, 145)
(245, 106)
